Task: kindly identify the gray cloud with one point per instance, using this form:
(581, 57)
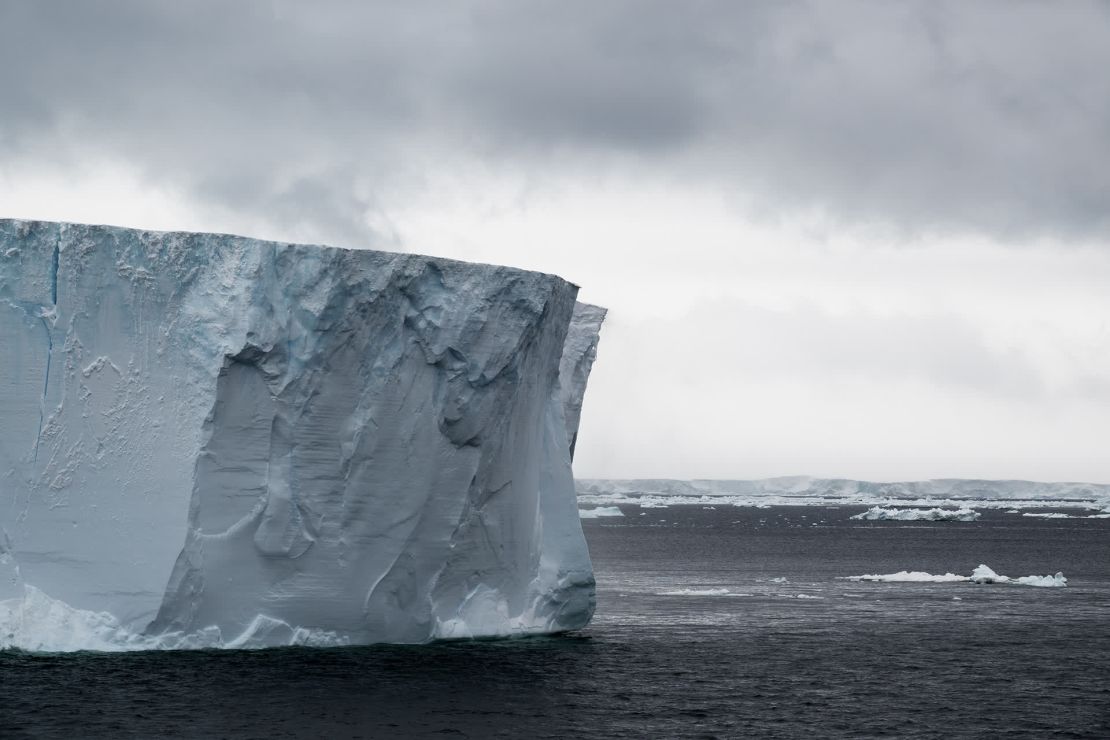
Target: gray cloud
(819, 349)
(986, 117)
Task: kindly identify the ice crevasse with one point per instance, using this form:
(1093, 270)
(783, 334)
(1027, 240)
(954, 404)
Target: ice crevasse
(211, 440)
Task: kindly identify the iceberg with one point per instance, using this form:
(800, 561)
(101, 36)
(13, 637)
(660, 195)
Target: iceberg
(215, 441)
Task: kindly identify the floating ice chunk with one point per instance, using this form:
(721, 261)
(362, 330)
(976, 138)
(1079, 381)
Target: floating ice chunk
(696, 592)
(1049, 515)
(1056, 581)
(879, 513)
(599, 512)
(908, 576)
(780, 579)
(982, 574)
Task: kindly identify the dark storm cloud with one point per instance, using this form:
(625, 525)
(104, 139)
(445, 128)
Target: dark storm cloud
(988, 116)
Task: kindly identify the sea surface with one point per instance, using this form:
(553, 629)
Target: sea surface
(711, 622)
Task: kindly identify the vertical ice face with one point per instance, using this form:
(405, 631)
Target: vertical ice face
(578, 358)
(214, 440)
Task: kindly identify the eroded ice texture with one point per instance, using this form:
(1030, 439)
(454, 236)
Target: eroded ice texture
(579, 354)
(211, 440)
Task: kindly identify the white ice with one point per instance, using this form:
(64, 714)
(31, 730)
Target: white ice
(878, 513)
(982, 574)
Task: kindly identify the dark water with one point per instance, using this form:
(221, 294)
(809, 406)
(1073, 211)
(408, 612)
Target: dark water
(813, 656)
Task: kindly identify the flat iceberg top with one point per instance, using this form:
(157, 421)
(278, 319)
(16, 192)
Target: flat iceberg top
(157, 239)
(215, 440)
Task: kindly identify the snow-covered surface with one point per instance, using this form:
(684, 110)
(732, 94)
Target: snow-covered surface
(600, 512)
(803, 491)
(878, 513)
(982, 574)
(579, 353)
(215, 441)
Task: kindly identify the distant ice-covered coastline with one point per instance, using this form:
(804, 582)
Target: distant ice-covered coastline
(959, 494)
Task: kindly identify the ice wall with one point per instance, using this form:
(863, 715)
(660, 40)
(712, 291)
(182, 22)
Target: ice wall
(579, 354)
(209, 439)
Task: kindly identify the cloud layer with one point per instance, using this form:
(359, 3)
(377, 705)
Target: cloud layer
(866, 239)
(991, 116)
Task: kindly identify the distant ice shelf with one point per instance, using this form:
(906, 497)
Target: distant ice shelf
(211, 440)
(805, 491)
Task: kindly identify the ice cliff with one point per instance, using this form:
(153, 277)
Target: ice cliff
(213, 440)
(579, 354)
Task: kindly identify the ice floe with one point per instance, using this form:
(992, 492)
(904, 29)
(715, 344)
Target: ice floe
(879, 513)
(599, 512)
(982, 574)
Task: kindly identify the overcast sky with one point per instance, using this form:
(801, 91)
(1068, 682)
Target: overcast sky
(858, 239)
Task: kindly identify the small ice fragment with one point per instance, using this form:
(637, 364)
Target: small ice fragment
(879, 513)
(696, 592)
(600, 511)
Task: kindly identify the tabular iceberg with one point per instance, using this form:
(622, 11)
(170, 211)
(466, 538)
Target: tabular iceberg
(213, 440)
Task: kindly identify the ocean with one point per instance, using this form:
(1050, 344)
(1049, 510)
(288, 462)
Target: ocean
(711, 622)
